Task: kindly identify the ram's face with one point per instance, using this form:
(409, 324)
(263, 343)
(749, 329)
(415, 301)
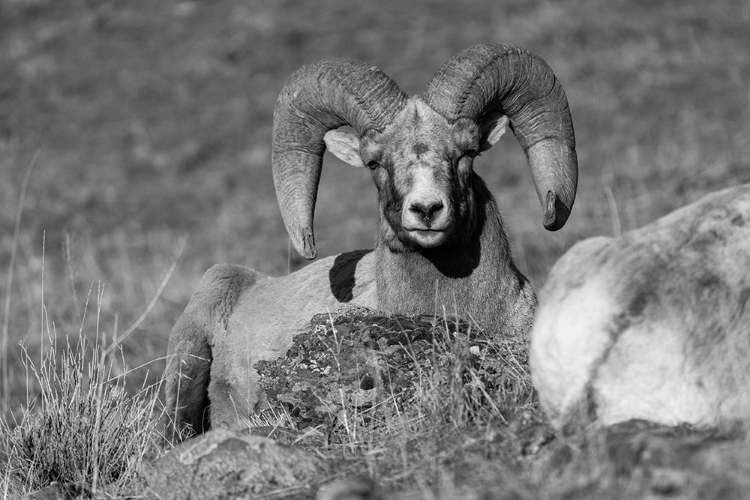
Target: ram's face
(422, 166)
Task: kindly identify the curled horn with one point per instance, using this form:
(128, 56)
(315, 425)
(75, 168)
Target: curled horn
(519, 84)
(317, 98)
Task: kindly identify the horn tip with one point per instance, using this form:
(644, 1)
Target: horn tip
(555, 212)
(308, 244)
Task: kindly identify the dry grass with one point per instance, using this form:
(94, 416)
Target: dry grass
(79, 427)
(153, 120)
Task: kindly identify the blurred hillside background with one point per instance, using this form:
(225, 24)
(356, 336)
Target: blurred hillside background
(152, 123)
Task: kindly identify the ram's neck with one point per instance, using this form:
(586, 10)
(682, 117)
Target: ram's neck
(477, 280)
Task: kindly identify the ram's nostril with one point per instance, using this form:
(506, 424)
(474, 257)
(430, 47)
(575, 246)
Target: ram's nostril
(432, 210)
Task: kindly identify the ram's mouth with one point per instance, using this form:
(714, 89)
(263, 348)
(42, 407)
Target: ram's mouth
(428, 238)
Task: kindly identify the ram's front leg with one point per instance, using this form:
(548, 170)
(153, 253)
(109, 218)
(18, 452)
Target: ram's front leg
(190, 352)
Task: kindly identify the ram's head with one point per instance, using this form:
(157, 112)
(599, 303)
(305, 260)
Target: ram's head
(421, 149)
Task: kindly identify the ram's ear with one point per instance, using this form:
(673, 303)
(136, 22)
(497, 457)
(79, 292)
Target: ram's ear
(492, 126)
(344, 144)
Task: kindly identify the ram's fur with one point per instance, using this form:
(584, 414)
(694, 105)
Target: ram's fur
(652, 325)
(441, 242)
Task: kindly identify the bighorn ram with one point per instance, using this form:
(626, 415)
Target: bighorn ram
(441, 240)
(653, 325)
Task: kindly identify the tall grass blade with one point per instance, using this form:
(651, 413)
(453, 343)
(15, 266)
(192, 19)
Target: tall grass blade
(9, 283)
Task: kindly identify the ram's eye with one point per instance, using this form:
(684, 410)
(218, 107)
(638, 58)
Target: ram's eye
(372, 164)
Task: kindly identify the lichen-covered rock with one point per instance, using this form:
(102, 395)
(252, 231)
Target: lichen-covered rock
(221, 464)
(351, 362)
(641, 459)
(54, 491)
(350, 488)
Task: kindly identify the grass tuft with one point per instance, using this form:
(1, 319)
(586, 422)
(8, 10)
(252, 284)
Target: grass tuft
(84, 431)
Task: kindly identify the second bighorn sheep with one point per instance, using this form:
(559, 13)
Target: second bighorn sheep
(441, 241)
(652, 325)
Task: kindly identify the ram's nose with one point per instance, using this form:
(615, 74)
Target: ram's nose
(427, 210)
